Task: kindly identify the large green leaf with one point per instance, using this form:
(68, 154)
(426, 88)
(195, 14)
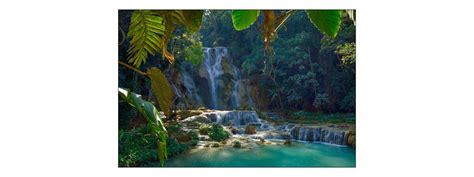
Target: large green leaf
(161, 89)
(145, 30)
(327, 21)
(193, 19)
(153, 118)
(244, 18)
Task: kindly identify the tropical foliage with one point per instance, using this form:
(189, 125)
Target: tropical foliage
(153, 117)
(300, 59)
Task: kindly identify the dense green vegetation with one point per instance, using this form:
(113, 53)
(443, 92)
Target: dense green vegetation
(308, 70)
(300, 64)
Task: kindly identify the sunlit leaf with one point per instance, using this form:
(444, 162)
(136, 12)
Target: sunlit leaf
(327, 21)
(161, 89)
(193, 19)
(145, 30)
(244, 18)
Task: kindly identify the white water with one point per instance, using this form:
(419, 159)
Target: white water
(213, 65)
(265, 130)
(213, 58)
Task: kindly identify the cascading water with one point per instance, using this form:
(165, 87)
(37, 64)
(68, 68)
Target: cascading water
(213, 65)
(234, 118)
(265, 130)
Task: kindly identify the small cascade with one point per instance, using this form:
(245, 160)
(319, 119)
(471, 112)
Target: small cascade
(236, 118)
(240, 119)
(318, 134)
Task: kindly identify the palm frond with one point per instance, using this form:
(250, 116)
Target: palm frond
(145, 30)
(151, 31)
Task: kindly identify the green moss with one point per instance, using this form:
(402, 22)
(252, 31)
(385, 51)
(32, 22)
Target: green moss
(204, 129)
(217, 133)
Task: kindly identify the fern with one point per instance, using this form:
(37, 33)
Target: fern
(152, 30)
(145, 30)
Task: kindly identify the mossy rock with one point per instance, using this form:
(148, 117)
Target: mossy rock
(351, 138)
(183, 114)
(234, 131)
(204, 129)
(215, 145)
(236, 144)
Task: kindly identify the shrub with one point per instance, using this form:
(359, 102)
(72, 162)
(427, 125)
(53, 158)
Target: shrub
(137, 147)
(194, 138)
(217, 133)
(175, 148)
(236, 144)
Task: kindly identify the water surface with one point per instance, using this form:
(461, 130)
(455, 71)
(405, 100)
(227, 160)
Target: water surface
(294, 155)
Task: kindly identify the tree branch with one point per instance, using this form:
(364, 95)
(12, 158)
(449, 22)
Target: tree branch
(132, 68)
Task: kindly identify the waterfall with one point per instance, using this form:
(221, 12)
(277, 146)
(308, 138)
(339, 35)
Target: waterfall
(213, 61)
(213, 65)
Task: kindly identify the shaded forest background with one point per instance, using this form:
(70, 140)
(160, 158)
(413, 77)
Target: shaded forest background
(308, 71)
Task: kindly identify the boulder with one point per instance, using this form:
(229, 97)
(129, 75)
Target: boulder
(204, 138)
(351, 138)
(183, 114)
(250, 129)
(234, 130)
(215, 145)
(195, 121)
